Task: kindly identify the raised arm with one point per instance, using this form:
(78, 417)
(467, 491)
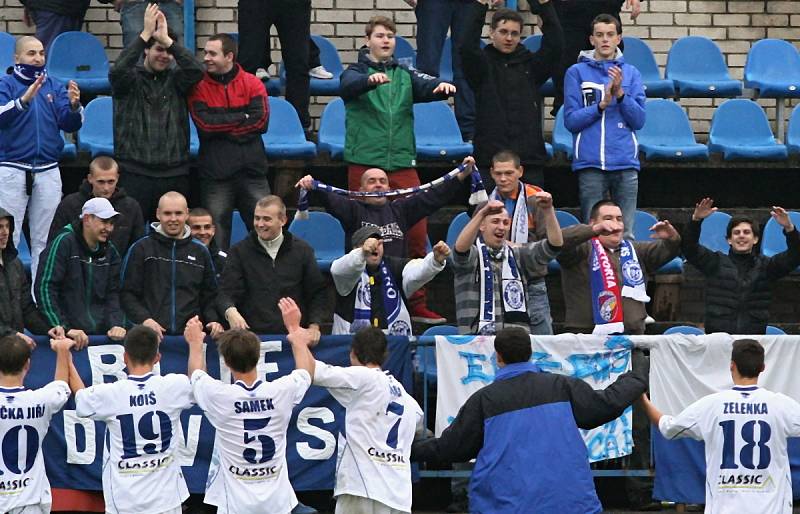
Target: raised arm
(298, 337)
(194, 336)
(470, 232)
(546, 60)
(699, 256)
(418, 272)
(593, 408)
(473, 60)
(785, 262)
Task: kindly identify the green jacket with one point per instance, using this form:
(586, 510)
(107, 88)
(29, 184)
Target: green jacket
(380, 119)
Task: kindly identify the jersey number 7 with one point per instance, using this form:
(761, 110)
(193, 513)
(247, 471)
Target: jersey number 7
(394, 408)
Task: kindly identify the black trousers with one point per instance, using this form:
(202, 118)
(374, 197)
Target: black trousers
(292, 20)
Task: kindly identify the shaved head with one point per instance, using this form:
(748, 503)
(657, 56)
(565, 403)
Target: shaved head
(23, 41)
(173, 212)
(174, 199)
(29, 50)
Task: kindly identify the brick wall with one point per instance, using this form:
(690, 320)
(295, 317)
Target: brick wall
(733, 24)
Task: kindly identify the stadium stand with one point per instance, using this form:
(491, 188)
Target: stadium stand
(330, 59)
(96, 136)
(238, 228)
(684, 329)
(696, 66)
(331, 129)
(667, 133)
(773, 240)
(437, 133)
(641, 232)
(740, 130)
(284, 138)
(712, 232)
(7, 43)
(533, 43)
(79, 56)
(324, 233)
(426, 354)
(773, 69)
(793, 135)
(404, 52)
(70, 151)
(639, 54)
(456, 225)
(562, 138)
(565, 219)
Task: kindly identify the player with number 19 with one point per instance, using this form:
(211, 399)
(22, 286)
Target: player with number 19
(24, 421)
(373, 469)
(141, 474)
(745, 430)
(248, 472)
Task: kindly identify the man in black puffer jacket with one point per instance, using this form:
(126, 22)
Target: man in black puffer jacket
(738, 293)
(17, 310)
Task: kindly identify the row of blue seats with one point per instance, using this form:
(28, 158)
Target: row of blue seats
(695, 66)
(690, 330)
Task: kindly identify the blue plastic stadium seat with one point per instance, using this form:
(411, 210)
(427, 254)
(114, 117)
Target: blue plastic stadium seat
(774, 331)
(696, 66)
(533, 43)
(285, 138)
(639, 54)
(324, 233)
(331, 129)
(740, 130)
(548, 148)
(70, 151)
(562, 138)
(641, 232)
(24, 252)
(238, 228)
(273, 85)
(457, 224)
(773, 241)
(565, 220)
(329, 58)
(96, 136)
(404, 52)
(446, 64)
(7, 44)
(773, 69)
(712, 232)
(194, 139)
(684, 329)
(793, 135)
(426, 355)
(81, 57)
(667, 133)
(437, 133)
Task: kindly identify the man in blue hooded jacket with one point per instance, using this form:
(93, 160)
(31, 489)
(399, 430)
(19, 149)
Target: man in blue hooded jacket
(603, 107)
(34, 109)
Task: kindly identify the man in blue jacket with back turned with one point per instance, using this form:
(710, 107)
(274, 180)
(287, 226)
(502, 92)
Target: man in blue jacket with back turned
(603, 106)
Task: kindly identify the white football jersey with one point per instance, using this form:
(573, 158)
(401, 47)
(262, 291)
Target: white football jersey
(141, 474)
(747, 463)
(248, 472)
(24, 421)
(373, 458)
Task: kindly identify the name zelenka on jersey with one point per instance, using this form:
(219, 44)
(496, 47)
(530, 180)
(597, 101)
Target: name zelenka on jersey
(142, 466)
(744, 408)
(140, 400)
(261, 405)
(255, 474)
(8, 487)
(29, 412)
(388, 457)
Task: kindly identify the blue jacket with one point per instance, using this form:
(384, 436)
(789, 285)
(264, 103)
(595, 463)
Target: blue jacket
(523, 429)
(30, 137)
(604, 140)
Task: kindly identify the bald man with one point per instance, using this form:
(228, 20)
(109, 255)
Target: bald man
(168, 277)
(33, 110)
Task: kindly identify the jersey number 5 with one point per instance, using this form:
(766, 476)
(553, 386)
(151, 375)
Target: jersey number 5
(267, 443)
(748, 450)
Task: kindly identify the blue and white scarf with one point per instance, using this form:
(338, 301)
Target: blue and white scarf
(519, 218)
(606, 293)
(478, 192)
(515, 307)
(28, 73)
(398, 321)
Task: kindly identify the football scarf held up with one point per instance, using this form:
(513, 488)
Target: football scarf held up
(398, 321)
(515, 308)
(606, 291)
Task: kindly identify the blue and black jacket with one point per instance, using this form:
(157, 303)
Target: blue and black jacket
(78, 287)
(169, 280)
(523, 429)
(30, 137)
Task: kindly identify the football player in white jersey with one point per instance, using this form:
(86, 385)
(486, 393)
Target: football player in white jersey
(373, 472)
(24, 421)
(745, 430)
(248, 472)
(141, 473)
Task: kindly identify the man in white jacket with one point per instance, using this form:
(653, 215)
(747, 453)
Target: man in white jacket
(367, 286)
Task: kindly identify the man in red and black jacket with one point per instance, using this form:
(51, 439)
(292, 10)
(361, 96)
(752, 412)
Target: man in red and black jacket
(231, 111)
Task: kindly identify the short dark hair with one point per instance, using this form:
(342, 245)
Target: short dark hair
(601, 203)
(103, 163)
(513, 345)
(141, 344)
(381, 21)
(506, 156)
(736, 220)
(228, 44)
(14, 353)
(748, 355)
(201, 211)
(606, 18)
(150, 42)
(240, 349)
(506, 15)
(370, 346)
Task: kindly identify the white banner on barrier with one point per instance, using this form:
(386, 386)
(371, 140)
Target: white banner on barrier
(467, 363)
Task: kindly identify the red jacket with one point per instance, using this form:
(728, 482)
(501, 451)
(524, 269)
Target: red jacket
(231, 112)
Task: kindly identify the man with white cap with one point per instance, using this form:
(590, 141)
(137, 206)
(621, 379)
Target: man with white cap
(78, 282)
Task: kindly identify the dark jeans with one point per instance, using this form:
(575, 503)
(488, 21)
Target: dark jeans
(434, 18)
(241, 191)
(622, 186)
(292, 19)
(50, 24)
(131, 17)
(148, 190)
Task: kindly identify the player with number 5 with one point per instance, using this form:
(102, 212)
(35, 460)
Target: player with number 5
(745, 430)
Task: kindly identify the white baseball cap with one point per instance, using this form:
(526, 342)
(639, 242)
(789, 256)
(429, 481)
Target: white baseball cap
(99, 207)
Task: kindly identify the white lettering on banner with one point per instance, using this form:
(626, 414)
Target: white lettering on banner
(116, 368)
(264, 368)
(71, 423)
(187, 447)
(304, 449)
